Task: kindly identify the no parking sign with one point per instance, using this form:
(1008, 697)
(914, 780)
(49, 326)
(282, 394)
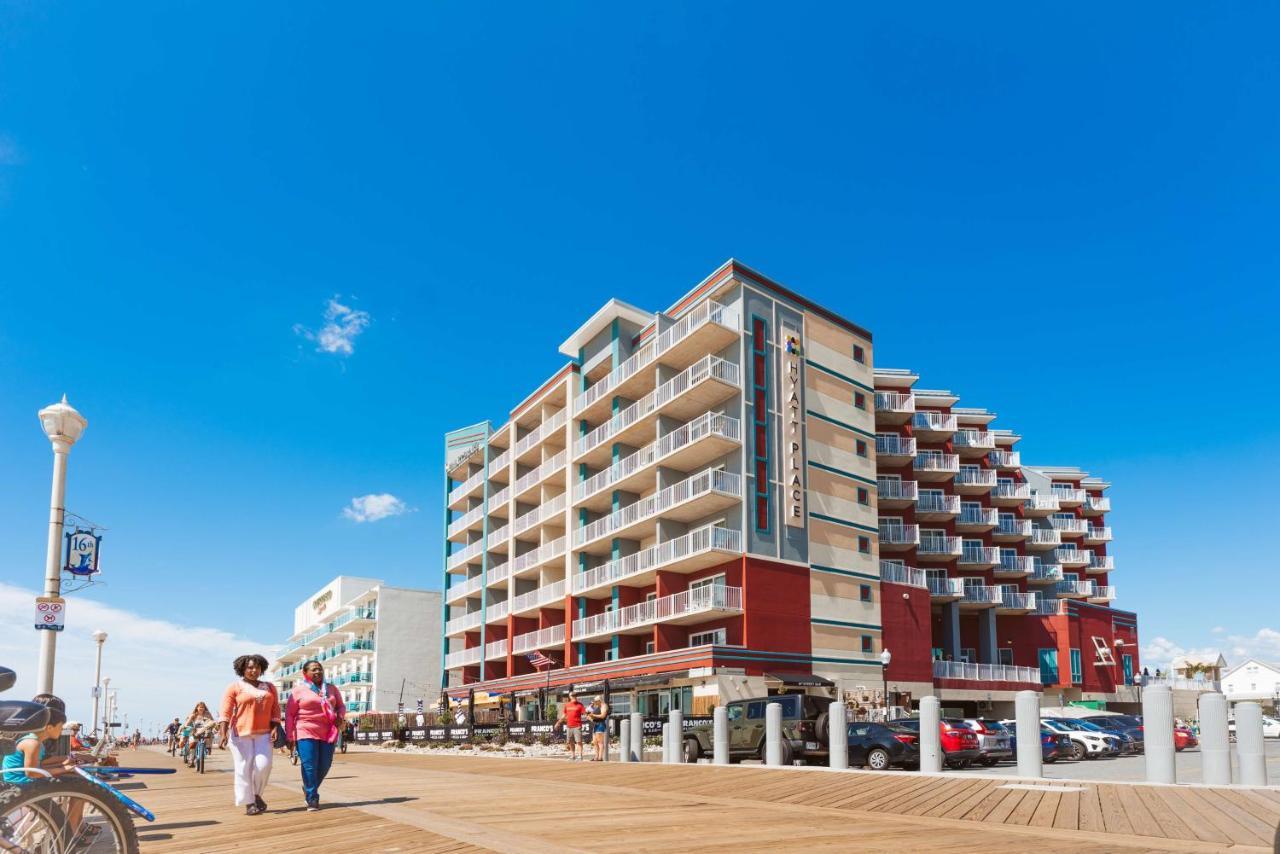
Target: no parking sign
(50, 613)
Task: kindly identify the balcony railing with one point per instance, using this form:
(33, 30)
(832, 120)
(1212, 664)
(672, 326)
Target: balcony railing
(982, 594)
(975, 477)
(497, 611)
(466, 520)
(1042, 501)
(1016, 563)
(932, 502)
(464, 623)
(499, 498)
(901, 490)
(1098, 504)
(1068, 526)
(540, 639)
(639, 359)
(535, 557)
(541, 432)
(1103, 591)
(892, 401)
(1070, 557)
(544, 595)
(462, 658)
(978, 516)
(500, 461)
(977, 439)
(704, 483)
(1101, 563)
(1096, 534)
(1045, 571)
(1012, 491)
(936, 462)
(937, 422)
(360, 678)
(895, 446)
(1045, 537)
(985, 555)
(985, 672)
(542, 472)
(945, 586)
(899, 535)
(1005, 459)
(937, 545)
(466, 553)
(540, 514)
(465, 589)
(1015, 600)
(1075, 588)
(1067, 495)
(896, 573)
(708, 599)
(466, 486)
(694, 542)
(1013, 528)
(496, 649)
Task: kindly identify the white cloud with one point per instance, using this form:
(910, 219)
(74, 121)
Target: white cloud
(342, 325)
(160, 667)
(371, 508)
(1263, 644)
(1218, 630)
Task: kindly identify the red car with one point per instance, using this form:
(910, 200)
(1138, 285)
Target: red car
(959, 742)
(1183, 738)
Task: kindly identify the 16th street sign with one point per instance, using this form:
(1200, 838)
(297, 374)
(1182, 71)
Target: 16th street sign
(50, 613)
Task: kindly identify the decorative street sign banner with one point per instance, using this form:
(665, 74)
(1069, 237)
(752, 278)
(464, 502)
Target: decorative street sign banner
(82, 552)
(50, 612)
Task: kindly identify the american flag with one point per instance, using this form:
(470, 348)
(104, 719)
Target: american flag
(537, 659)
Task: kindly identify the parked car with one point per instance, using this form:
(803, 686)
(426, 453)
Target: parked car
(1121, 724)
(882, 746)
(804, 730)
(994, 740)
(1184, 737)
(1053, 746)
(959, 742)
(1270, 727)
(1085, 743)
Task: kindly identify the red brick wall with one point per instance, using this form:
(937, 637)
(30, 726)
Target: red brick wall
(906, 629)
(775, 600)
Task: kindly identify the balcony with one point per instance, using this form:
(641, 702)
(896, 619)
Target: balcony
(942, 589)
(935, 507)
(1015, 602)
(548, 594)
(895, 450)
(895, 537)
(975, 481)
(896, 573)
(985, 672)
(535, 559)
(469, 487)
(1040, 504)
(933, 466)
(1014, 566)
(980, 596)
(540, 639)
(974, 443)
(550, 512)
(1068, 527)
(527, 445)
(458, 592)
(1005, 459)
(1010, 494)
(938, 547)
(979, 557)
(1012, 531)
(1100, 563)
(896, 493)
(360, 678)
(359, 706)
(933, 426)
(465, 623)
(530, 480)
(894, 407)
(1044, 573)
(686, 501)
(694, 391)
(702, 440)
(707, 328)
(688, 606)
(498, 464)
(1044, 538)
(1097, 535)
(496, 612)
(1102, 594)
(1070, 557)
(1069, 497)
(458, 527)
(1074, 589)
(695, 550)
(467, 553)
(495, 649)
(462, 658)
(976, 519)
(1052, 608)
(1096, 505)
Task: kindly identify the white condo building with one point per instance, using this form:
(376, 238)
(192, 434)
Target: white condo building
(380, 645)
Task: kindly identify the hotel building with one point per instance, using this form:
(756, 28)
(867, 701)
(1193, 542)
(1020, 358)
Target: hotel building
(379, 645)
(708, 500)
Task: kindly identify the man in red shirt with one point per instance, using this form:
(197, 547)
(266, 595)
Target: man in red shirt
(571, 717)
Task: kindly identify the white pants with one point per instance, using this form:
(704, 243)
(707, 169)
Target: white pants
(251, 757)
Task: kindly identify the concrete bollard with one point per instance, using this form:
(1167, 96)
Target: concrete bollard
(677, 737)
(1030, 756)
(637, 737)
(1215, 746)
(930, 734)
(720, 736)
(1157, 726)
(773, 734)
(624, 740)
(666, 743)
(1249, 745)
(837, 736)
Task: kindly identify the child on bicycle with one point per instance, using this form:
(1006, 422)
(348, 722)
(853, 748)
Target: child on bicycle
(29, 752)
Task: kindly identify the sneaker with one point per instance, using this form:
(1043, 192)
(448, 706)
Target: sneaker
(313, 807)
(260, 803)
(252, 809)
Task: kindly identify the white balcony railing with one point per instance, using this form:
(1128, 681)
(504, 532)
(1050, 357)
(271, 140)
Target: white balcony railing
(902, 490)
(466, 520)
(1045, 537)
(499, 498)
(1005, 459)
(541, 432)
(934, 421)
(985, 672)
(938, 545)
(980, 554)
(892, 401)
(1098, 534)
(694, 542)
(1098, 504)
(466, 486)
(936, 462)
(1070, 557)
(982, 594)
(1012, 490)
(939, 586)
(1075, 587)
(462, 658)
(500, 461)
(897, 573)
(1068, 526)
(540, 639)
(976, 477)
(497, 611)
(1051, 607)
(464, 623)
(1016, 563)
(895, 446)
(536, 557)
(1042, 571)
(544, 595)
(496, 649)
(1042, 501)
(1013, 528)
(1103, 591)
(707, 424)
(708, 599)
(466, 553)
(542, 472)
(1066, 495)
(540, 514)
(897, 534)
(932, 502)
(639, 359)
(978, 516)
(980, 439)
(703, 483)
(1101, 563)
(1018, 601)
(465, 589)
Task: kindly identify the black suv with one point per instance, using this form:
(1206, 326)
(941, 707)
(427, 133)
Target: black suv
(804, 730)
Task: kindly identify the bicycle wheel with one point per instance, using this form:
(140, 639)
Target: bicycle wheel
(67, 814)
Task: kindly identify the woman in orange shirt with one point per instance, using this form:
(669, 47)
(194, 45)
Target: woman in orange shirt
(251, 711)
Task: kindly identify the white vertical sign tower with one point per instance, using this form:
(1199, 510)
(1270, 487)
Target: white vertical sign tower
(792, 427)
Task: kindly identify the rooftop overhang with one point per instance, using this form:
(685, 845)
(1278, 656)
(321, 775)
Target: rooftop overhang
(973, 416)
(935, 397)
(614, 309)
(1060, 472)
(894, 378)
(1006, 438)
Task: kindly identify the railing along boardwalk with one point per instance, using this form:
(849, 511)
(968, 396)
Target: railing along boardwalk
(382, 802)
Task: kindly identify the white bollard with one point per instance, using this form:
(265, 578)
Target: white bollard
(1157, 727)
(837, 736)
(1249, 745)
(624, 740)
(1030, 757)
(720, 736)
(637, 737)
(773, 734)
(666, 743)
(677, 737)
(930, 734)
(1215, 746)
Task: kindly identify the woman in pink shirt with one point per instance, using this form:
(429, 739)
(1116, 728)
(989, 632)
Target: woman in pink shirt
(312, 720)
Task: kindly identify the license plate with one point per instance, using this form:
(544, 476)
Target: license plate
(811, 745)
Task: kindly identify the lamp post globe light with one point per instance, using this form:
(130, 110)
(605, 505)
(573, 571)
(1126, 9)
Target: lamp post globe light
(99, 637)
(885, 658)
(63, 425)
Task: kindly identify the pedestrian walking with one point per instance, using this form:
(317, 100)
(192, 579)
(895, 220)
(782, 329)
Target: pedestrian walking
(599, 728)
(571, 717)
(249, 717)
(314, 716)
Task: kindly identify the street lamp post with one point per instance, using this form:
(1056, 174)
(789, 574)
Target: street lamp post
(885, 658)
(106, 706)
(63, 425)
(99, 637)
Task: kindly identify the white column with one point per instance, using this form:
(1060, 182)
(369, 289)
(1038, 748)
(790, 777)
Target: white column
(52, 564)
(773, 734)
(1215, 747)
(637, 737)
(677, 737)
(1030, 757)
(930, 735)
(838, 736)
(1249, 744)
(720, 736)
(666, 743)
(100, 637)
(1157, 725)
(624, 740)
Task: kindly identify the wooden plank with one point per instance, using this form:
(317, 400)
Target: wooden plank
(1139, 817)
(1091, 810)
(1067, 816)
(1245, 820)
(1007, 804)
(1173, 825)
(1046, 811)
(1206, 828)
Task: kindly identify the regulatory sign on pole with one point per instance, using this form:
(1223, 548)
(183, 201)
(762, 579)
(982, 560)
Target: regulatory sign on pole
(419, 705)
(50, 613)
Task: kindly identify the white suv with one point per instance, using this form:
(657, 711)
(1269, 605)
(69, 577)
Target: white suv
(1085, 744)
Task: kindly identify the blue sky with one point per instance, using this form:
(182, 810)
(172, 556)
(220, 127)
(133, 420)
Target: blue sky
(1065, 215)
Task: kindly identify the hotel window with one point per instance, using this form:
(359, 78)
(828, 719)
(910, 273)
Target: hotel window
(864, 545)
(969, 655)
(866, 643)
(864, 495)
(716, 636)
(859, 354)
(859, 400)
(860, 446)
(864, 592)
(648, 647)
(1077, 668)
(1005, 655)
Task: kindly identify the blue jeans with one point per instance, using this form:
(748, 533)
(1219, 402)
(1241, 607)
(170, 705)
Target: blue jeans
(315, 756)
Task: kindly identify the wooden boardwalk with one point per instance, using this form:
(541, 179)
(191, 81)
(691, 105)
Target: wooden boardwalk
(420, 803)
